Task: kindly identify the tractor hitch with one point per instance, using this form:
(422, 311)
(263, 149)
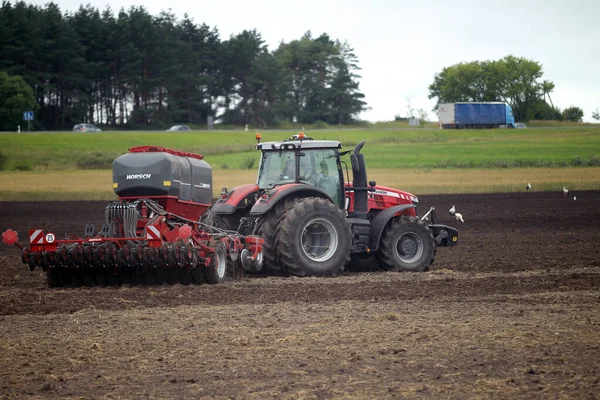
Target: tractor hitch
(431, 214)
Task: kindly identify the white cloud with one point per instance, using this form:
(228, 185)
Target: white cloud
(402, 44)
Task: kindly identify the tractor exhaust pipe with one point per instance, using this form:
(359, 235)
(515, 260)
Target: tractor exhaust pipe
(359, 182)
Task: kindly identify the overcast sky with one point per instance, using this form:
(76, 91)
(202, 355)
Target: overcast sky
(402, 44)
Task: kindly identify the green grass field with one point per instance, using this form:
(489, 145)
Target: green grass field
(68, 165)
(385, 148)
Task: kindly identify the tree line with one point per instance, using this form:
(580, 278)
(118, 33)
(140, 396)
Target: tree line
(134, 70)
(514, 80)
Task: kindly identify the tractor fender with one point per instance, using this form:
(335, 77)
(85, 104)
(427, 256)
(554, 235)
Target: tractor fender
(275, 195)
(238, 197)
(380, 221)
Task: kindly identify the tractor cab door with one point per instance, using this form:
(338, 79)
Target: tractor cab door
(322, 168)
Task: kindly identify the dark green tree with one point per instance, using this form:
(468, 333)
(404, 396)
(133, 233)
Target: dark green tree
(573, 114)
(21, 40)
(544, 111)
(344, 99)
(191, 89)
(521, 85)
(318, 81)
(90, 28)
(513, 80)
(62, 58)
(131, 69)
(239, 56)
(261, 90)
(16, 96)
(475, 81)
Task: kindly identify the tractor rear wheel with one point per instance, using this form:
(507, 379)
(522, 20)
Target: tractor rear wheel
(267, 228)
(314, 238)
(406, 245)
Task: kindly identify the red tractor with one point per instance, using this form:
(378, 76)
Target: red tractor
(313, 220)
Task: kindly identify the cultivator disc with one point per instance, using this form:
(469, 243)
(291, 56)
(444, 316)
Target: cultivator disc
(107, 264)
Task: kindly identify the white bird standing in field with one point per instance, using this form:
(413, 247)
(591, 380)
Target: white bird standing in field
(528, 187)
(565, 192)
(459, 217)
(452, 210)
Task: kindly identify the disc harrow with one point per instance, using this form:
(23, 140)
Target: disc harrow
(139, 244)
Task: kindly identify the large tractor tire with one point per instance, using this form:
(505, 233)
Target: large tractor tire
(406, 245)
(314, 238)
(267, 228)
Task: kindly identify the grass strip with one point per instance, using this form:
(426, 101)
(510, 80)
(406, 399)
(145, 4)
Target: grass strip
(97, 184)
(385, 148)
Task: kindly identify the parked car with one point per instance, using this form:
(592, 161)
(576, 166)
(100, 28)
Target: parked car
(520, 125)
(179, 128)
(86, 128)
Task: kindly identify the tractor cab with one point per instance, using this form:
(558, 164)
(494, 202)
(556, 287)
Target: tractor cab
(301, 160)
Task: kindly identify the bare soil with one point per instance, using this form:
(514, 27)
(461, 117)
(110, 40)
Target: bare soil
(512, 312)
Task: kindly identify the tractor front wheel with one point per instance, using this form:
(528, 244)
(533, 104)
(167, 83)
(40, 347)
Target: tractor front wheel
(406, 245)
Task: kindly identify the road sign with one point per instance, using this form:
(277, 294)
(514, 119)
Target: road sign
(28, 115)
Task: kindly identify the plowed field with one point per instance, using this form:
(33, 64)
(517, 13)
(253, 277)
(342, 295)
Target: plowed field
(512, 312)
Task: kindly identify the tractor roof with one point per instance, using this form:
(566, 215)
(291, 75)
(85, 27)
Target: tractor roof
(304, 144)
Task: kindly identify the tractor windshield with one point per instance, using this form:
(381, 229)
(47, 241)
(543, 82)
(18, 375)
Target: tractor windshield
(276, 167)
(316, 167)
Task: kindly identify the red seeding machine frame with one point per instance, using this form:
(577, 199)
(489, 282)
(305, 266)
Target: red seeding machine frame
(153, 234)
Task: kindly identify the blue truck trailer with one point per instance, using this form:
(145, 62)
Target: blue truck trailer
(475, 115)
